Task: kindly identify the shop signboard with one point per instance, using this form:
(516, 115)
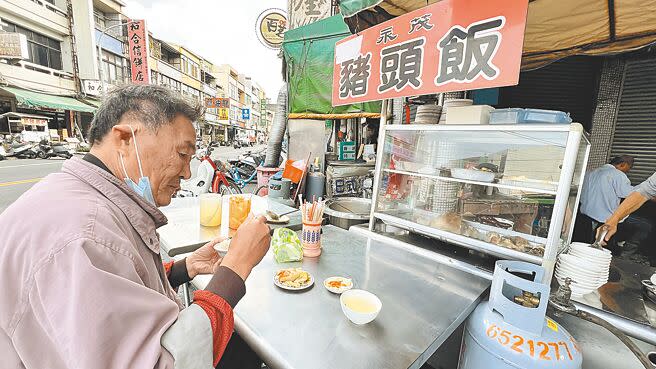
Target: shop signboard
(304, 12)
(34, 122)
(138, 51)
(221, 104)
(270, 27)
(13, 46)
(92, 87)
(451, 45)
(245, 114)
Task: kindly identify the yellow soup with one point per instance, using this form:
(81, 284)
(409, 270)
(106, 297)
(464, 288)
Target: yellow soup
(360, 304)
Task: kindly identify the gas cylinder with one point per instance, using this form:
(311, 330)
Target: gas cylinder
(511, 330)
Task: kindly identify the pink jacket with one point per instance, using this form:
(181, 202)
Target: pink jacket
(83, 285)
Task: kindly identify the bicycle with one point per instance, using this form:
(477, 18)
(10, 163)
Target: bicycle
(237, 179)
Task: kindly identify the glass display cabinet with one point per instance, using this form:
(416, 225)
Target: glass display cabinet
(511, 191)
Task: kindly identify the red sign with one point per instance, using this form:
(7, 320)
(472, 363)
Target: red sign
(217, 102)
(452, 45)
(138, 51)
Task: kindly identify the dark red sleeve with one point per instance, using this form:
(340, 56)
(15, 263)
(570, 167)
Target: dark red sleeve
(221, 319)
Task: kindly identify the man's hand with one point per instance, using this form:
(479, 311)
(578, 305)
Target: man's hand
(611, 227)
(248, 246)
(205, 260)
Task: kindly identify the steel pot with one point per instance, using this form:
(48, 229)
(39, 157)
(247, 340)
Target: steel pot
(345, 212)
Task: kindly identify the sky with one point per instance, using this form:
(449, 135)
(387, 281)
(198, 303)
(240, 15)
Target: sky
(222, 32)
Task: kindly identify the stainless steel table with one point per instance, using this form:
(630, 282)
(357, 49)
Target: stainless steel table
(423, 302)
(183, 233)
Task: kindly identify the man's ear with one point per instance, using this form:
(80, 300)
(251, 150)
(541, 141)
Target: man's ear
(122, 136)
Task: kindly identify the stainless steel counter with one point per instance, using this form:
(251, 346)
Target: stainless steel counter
(423, 302)
(601, 350)
(184, 233)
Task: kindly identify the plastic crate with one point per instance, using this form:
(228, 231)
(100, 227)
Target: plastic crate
(545, 116)
(506, 116)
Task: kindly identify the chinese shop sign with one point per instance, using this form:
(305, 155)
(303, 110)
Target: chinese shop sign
(271, 26)
(452, 45)
(222, 104)
(304, 12)
(138, 51)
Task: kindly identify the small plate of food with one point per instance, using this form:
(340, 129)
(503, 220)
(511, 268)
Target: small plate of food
(338, 284)
(293, 279)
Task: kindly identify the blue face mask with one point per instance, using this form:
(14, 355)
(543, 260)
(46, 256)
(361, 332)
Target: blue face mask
(142, 188)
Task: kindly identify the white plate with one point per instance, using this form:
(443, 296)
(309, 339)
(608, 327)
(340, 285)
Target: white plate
(276, 281)
(472, 174)
(284, 219)
(223, 246)
(341, 289)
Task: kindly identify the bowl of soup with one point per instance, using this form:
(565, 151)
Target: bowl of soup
(360, 306)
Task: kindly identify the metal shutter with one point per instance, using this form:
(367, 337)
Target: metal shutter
(635, 129)
(567, 85)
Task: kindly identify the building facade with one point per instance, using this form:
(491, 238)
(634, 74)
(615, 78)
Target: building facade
(68, 52)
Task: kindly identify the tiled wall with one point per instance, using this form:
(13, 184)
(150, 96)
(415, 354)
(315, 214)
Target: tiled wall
(605, 114)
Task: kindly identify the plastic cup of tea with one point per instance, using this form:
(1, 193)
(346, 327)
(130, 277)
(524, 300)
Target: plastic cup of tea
(210, 209)
(239, 208)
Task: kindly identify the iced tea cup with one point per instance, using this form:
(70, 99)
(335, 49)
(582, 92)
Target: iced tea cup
(210, 209)
(240, 207)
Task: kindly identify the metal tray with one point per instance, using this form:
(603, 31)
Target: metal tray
(401, 218)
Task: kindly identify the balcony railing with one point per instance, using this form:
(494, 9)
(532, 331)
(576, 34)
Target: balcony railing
(46, 70)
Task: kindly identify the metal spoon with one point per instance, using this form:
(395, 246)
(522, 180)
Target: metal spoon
(598, 242)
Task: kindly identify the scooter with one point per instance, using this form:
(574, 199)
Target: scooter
(247, 163)
(22, 150)
(212, 176)
(46, 151)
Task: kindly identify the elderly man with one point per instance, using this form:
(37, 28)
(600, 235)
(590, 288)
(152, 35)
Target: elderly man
(83, 284)
(602, 191)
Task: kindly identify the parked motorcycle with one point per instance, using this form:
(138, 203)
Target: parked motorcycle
(211, 176)
(45, 150)
(17, 149)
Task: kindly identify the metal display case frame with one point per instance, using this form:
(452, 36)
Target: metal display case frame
(577, 144)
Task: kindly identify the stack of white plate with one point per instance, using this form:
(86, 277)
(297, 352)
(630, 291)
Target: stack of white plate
(452, 103)
(428, 114)
(588, 268)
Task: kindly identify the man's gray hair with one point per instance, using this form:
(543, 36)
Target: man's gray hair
(621, 159)
(152, 105)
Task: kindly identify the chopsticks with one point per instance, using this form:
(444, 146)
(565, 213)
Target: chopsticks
(312, 212)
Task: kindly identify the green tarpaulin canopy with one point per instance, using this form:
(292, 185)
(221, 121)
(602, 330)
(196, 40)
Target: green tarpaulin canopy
(39, 100)
(309, 53)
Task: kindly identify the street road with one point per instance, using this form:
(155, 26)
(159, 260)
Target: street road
(17, 176)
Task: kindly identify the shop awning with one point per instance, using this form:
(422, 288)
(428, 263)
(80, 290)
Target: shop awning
(554, 29)
(309, 53)
(93, 102)
(38, 100)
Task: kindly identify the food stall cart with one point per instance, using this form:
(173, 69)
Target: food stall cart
(427, 260)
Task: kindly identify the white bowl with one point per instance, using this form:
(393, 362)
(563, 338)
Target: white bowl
(581, 284)
(585, 248)
(589, 255)
(358, 316)
(569, 271)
